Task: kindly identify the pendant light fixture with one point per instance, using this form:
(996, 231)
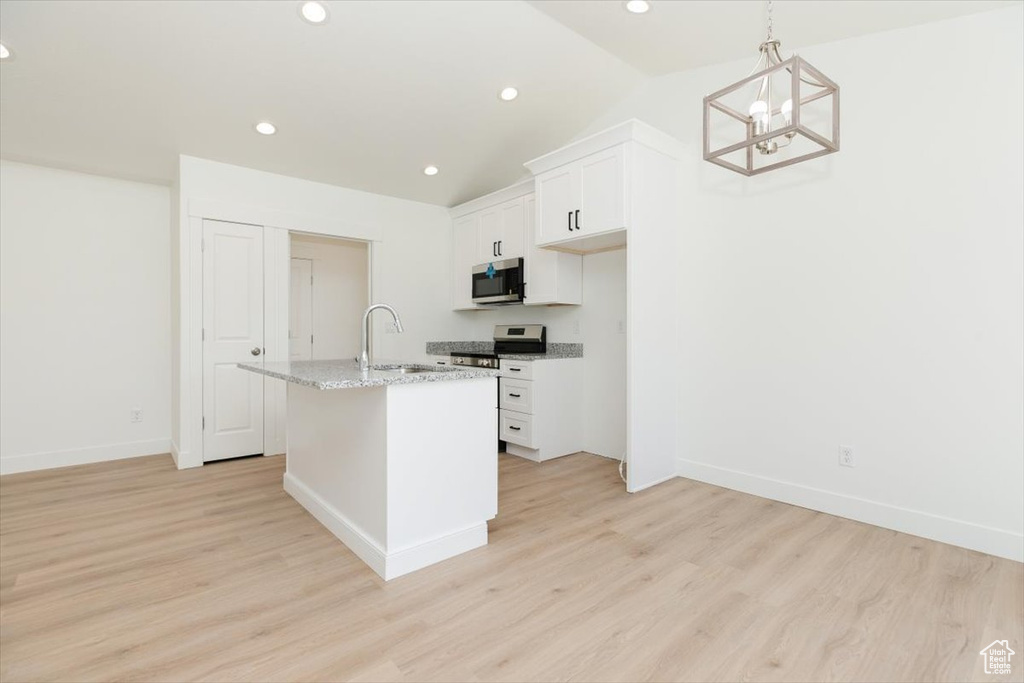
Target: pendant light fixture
(782, 113)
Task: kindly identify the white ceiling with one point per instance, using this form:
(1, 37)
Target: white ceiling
(677, 35)
(364, 101)
(367, 100)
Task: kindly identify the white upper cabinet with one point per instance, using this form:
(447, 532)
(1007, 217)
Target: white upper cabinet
(557, 201)
(502, 232)
(585, 190)
(501, 226)
(583, 198)
(513, 229)
(603, 192)
(552, 277)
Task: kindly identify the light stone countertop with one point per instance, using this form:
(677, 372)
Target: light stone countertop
(345, 374)
(555, 350)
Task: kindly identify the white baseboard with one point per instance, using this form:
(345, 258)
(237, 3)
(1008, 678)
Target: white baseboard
(531, 454)
(349, 534)
(648, 484)
(435, 550)
(999, 542)
(616, 458)
(387, 565)
(30, 462)
(175, 455)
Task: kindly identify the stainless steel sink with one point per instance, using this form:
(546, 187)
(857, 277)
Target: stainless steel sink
(404, 369)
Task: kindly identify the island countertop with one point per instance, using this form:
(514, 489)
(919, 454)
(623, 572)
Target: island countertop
(345, 374)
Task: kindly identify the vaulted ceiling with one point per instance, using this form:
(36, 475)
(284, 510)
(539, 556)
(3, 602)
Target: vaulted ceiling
(372, 96)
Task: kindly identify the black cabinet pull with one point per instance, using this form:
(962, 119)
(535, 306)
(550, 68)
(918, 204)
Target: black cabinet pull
(514, 429)
(515, 395)
(494, 249)
(515, 369)
(577, 219)
(499, 247)
(570, 221)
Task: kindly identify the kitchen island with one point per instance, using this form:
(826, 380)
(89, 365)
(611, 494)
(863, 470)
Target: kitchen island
(399, 461)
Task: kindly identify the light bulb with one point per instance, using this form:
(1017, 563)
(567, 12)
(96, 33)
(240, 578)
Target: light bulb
(313, 12)
(787, 111)
(759, 113)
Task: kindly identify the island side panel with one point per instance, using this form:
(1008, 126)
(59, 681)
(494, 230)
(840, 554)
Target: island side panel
(336, 453)
(442, 469)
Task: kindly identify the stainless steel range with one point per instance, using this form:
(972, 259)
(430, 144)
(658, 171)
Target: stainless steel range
(508, 339)
(519, 340)
(475, 360)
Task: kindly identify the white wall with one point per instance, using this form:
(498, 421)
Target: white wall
(84, 318)
(603, 320)
(409, 258)
(340, 292)
(873, 298)
(410, 262)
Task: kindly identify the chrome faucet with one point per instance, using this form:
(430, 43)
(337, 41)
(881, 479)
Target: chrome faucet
(364, 356)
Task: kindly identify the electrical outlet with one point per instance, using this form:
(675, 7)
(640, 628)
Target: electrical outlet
(846, 456)
(621, 327)
(136, 415)
(390, 328)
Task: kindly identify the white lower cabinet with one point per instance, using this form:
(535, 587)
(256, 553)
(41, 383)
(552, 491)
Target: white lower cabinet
(516, 428)
(540, 407)
(517, 395)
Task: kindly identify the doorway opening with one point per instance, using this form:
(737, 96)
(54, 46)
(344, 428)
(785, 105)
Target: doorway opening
(270, 296)
(328, 291)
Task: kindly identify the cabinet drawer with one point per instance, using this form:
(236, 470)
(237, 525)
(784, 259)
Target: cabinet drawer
(516, 394)
(516, 428)
(517, 369)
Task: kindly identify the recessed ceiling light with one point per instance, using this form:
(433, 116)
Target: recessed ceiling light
(430, 170)
(638, 6)
(4, 52)
(313, 12)
(266, 128)
(508, 94)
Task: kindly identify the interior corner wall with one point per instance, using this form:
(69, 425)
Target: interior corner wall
(84, 318)
(871, 298)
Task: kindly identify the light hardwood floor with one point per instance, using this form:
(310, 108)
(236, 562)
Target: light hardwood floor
(132, 570)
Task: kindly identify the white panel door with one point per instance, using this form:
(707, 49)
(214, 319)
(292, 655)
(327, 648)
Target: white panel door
(513, 230)
(602, 191)
(232, 333)
(489, 234)
(557, 203)
(300, 310)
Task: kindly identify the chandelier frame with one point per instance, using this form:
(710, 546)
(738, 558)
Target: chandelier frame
(801, 73)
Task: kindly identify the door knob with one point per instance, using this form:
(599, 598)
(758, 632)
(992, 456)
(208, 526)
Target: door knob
(256, 351)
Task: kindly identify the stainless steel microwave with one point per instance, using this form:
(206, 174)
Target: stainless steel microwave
(499, 282)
